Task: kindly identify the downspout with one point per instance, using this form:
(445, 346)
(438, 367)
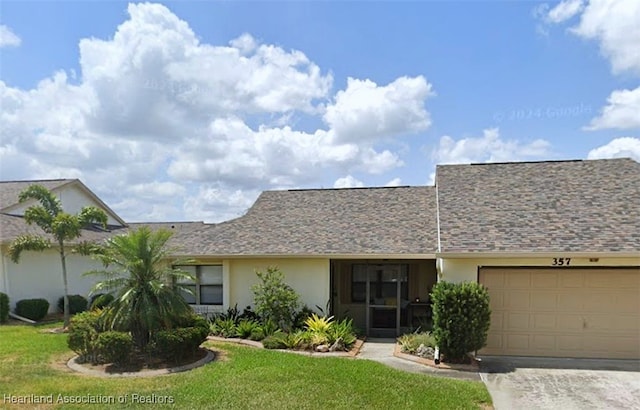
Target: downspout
(436, 353)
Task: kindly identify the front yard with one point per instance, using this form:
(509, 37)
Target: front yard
(32, 363)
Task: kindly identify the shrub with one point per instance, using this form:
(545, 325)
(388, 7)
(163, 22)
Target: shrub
(317, 324)
(461, 317)
(114, 347)
(34, 309)
(77, 304)
(101, 301)
(4, 307)
(246, 327)
(269, 327)
(410, 342)
(275, 341)
(83, 333)
(249, 314)
(274, 299)
(178, 343)
(343, 331)
(301, 317)
(223, 327)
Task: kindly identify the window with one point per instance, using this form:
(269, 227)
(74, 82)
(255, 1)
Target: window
(383, 282)
(207, 289)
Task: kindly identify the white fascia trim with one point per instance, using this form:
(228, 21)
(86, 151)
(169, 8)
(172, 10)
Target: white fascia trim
(310, 256)
(485, 255)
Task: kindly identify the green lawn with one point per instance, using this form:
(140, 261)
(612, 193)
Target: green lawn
(245, 378)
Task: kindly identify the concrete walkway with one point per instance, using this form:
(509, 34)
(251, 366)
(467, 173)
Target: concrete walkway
(381, 350)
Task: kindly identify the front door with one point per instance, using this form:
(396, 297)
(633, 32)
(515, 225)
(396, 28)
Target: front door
(386, 297)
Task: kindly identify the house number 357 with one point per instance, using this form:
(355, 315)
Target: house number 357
(561, 262)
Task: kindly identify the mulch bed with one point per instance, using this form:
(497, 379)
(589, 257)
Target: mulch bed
(472, 366)
(142, 363)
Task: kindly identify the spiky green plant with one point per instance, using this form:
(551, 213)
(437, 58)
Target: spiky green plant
(146, 287)
(319, 324)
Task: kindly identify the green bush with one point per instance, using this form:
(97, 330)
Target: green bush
(4, 307)
(275, 341)
(257, 334)
(178, 343)
(223, 327)
(410, 342)
(34, 309)
(83, 333)
(101, 301)
(77, 304)
(343, 331)
(246, 327)
(114, 347)
(461, 318)
(274, 299)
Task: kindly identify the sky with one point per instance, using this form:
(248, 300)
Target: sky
(187, 110)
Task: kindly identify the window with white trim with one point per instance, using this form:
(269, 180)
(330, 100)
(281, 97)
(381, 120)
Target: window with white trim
(207, 288)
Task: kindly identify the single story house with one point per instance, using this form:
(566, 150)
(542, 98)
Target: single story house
(557, 243)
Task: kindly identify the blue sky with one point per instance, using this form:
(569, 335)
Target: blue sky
(188, 110)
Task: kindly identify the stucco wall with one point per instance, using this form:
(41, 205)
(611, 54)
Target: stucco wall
(460, 270)
(39, 275)
(72, 199)
(309, 277)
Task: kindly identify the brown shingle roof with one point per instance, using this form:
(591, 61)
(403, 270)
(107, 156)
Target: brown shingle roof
(571, 206)
(399, 220)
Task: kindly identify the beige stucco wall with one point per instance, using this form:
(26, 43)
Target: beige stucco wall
(308, 277)
(466, 269)
(39, 275)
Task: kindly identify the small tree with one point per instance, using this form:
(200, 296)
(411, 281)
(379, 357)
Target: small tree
(274, 299)
(59, 225)
(138, 273)
(461, 318)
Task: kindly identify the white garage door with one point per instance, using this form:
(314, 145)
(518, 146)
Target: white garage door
(566, 312)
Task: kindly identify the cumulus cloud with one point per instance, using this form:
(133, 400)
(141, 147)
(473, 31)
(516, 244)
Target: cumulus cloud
(625, 147)
(8, 38)
(367, 111)
(348, 182)
(616, 27)
(622, 111)
(394, 182)
(164, 126)
(488, 148)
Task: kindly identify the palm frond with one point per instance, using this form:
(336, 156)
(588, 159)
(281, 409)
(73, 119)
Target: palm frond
(92, 215)
(49, 201)
(27, 243)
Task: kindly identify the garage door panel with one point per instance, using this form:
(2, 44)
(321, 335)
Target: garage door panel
(564, 312)
(544, 301)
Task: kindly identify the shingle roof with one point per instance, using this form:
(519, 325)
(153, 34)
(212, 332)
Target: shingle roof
(571, 206)
(9, 190)
(399, 220)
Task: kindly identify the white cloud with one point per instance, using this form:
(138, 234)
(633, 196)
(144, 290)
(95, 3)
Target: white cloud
(622, 111)
(625, 147)
(394, 182)
(366, 111)
(565, 10)
(8, 38)
(616, 26)
(488, 148)
(164, 126)
(348, 182)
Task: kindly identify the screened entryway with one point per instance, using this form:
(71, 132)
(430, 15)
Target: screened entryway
(384, 298)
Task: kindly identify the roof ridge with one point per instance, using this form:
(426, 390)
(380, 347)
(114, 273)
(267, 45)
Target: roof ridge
(38, 180)
(350, 188)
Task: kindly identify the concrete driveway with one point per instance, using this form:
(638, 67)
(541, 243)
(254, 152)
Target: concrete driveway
(542, 383)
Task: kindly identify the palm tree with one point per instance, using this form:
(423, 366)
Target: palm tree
(147, 296)
(59, 225)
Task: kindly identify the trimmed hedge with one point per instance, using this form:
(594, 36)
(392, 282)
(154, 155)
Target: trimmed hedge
(83, 333)
(115, 347)
(461, 318)
(4, 307)
(77, 304)
(34, 309)
(101, 301)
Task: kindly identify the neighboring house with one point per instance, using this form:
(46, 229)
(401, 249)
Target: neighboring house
(556, 242)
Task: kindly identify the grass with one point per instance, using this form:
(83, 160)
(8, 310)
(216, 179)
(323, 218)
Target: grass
(31, 363)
